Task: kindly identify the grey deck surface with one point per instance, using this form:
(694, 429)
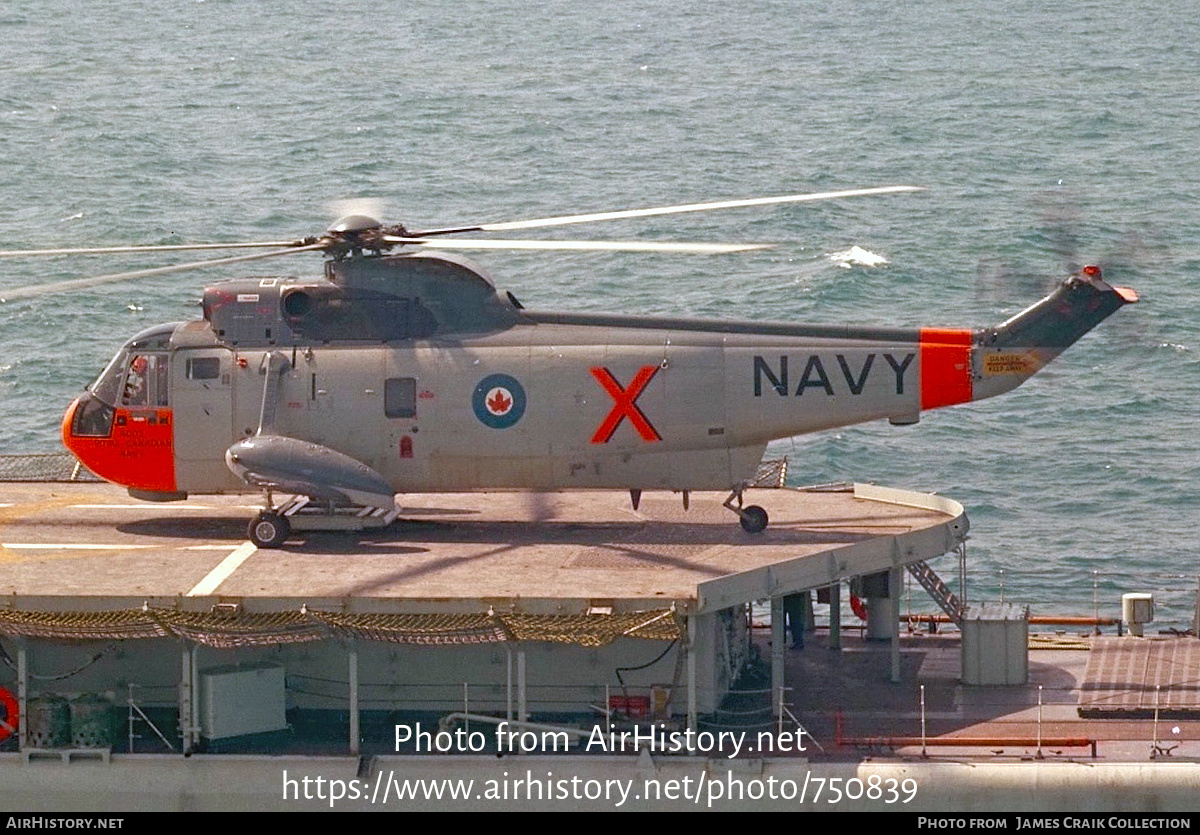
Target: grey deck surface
(90, 546)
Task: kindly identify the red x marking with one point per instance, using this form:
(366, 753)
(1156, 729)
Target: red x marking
(625, 404)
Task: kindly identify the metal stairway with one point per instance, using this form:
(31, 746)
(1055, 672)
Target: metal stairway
(937, 589)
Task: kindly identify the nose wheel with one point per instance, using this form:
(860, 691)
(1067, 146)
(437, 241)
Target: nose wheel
(269, 530)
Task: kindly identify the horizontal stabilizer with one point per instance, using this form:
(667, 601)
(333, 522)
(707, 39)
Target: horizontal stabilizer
(290, 465)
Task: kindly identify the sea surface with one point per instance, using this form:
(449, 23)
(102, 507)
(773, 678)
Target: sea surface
(1047, 135)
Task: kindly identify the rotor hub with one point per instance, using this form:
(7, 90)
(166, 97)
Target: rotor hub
(354, 224)
(355, 233)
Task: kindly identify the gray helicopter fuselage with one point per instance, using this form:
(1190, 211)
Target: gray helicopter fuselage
(416, 367)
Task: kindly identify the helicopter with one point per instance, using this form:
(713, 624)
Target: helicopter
(403, 369)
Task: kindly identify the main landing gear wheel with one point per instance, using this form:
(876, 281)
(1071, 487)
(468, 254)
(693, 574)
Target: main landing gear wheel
(269, 530)
(754, 519)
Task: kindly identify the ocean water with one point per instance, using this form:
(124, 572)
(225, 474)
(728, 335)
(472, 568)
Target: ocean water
(1048, 134)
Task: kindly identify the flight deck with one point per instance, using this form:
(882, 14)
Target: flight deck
(90, 547)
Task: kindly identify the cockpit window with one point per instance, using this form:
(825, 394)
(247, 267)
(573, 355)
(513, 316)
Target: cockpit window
(137, 375)
(92, 418)
(137, 385)
(107, 387)
(146, 381)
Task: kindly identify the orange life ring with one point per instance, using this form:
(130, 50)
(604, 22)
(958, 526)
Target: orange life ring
(859, 607)
(12, 713)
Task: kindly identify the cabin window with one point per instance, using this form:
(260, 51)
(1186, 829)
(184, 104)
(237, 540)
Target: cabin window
(203, 368)
(400, 397)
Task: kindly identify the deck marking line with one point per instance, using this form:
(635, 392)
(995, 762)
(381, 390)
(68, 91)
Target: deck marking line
(176, 508)
(162, 506)
(226, 567)
(68, 546)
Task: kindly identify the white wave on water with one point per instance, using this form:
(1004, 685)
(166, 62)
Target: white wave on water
(856, 256)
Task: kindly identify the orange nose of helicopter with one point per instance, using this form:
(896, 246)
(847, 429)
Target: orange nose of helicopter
(133, 447)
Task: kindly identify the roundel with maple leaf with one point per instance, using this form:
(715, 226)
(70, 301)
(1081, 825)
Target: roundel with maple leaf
(498, 401)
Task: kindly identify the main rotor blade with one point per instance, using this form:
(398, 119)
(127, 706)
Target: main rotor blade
(593, 246)
(114, 250)
(668, 210)
(80, 283)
